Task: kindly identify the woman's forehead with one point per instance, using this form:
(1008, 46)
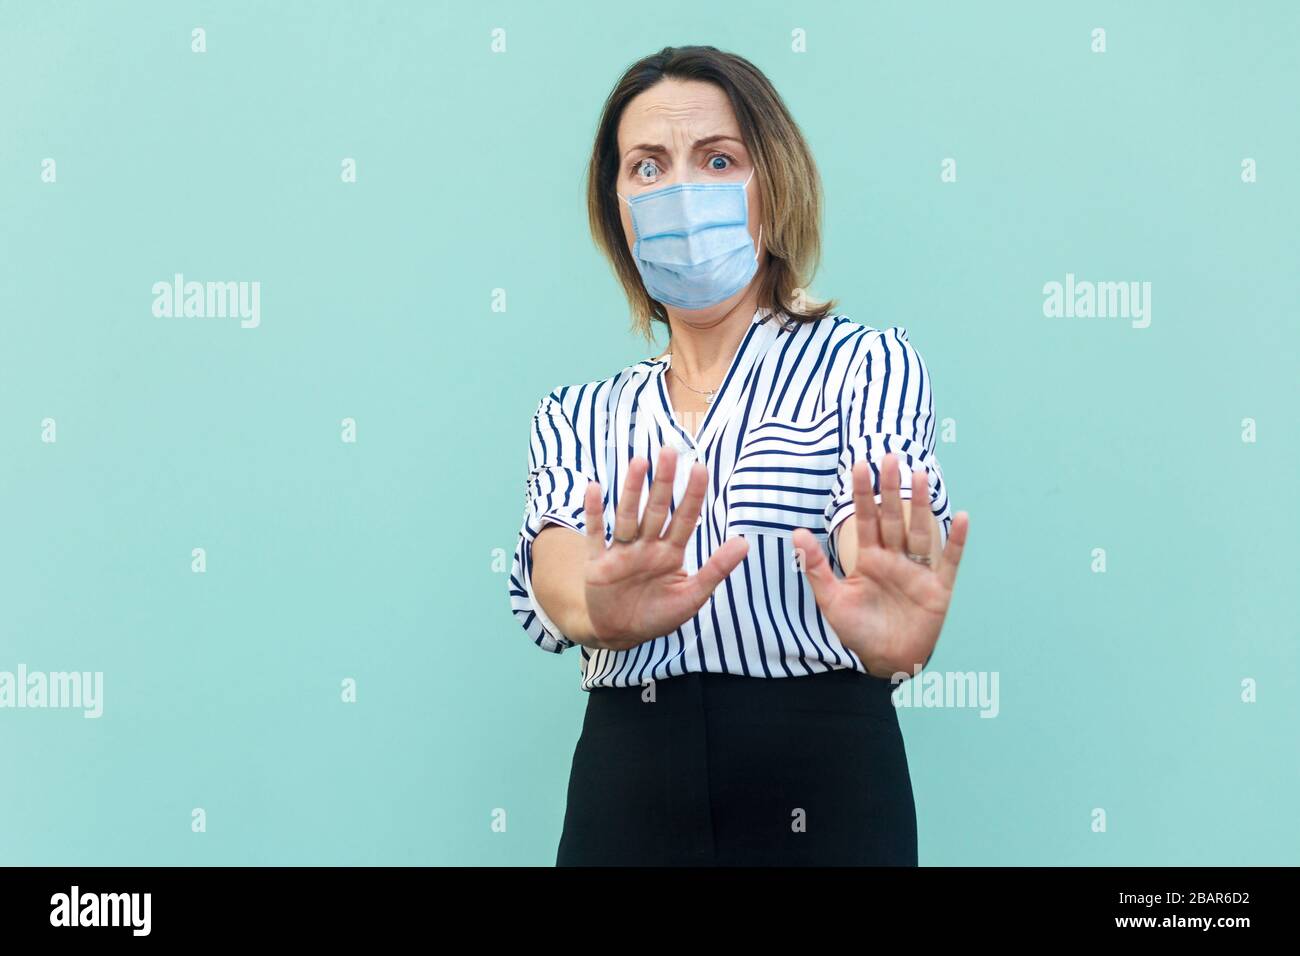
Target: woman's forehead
(671, 111)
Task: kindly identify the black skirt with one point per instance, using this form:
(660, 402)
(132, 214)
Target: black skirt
(726, 770)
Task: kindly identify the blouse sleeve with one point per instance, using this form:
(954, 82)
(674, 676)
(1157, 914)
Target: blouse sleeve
(554, 491)
(887, 406)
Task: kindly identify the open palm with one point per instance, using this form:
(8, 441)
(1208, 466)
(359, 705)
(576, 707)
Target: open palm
(889, 608)
(636, 587)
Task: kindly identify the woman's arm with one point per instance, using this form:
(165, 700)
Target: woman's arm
(558, 584)
(887, 608)
(888, 407)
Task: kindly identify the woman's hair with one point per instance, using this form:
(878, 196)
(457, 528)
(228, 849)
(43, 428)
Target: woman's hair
(792, 196)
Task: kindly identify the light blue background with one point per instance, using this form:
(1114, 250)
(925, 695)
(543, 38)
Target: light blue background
(376, 560)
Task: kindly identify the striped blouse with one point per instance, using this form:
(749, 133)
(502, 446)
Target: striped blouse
(800, 404)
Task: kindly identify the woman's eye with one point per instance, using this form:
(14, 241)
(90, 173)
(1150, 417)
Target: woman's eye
(720, 162)
(646, 169)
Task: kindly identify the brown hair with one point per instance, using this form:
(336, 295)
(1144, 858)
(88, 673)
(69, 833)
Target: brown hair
(792, 196)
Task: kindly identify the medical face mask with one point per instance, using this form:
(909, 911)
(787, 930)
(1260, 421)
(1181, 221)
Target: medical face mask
(693, 247)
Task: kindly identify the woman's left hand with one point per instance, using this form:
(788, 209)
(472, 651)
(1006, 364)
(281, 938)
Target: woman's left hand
(888, 609)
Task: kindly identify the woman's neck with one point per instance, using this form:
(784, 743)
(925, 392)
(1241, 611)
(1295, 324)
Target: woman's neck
(702, 352)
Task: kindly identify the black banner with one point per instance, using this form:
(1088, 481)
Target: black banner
(180, 905)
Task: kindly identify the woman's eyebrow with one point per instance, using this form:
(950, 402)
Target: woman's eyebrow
(698, 144)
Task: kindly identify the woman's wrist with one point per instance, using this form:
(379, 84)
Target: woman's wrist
(580, 630)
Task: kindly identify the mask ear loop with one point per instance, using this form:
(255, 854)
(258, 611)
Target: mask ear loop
(760, 225)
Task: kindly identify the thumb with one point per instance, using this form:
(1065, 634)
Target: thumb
(816, 566)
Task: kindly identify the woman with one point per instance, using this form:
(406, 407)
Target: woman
(688, 519)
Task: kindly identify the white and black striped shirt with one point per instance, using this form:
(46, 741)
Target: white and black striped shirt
(799, 405)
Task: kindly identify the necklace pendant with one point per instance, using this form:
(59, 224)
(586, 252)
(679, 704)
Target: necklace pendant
(708, 397)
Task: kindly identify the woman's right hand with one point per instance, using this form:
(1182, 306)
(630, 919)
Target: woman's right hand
(636, 588)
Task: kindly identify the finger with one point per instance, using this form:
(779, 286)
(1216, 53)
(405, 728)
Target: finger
(716, 569)
(865, 512)
(891, 507)
(816, 566)
(593, 506)
(918, 527)
(661, 494)
(951, 556)
(682, 527)
(629, 506)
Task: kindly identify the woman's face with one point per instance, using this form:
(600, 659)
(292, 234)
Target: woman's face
(684, 131)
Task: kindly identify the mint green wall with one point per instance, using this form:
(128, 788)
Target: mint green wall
(375, 560)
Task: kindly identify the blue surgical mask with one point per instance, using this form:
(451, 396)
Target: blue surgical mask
(693, 247)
